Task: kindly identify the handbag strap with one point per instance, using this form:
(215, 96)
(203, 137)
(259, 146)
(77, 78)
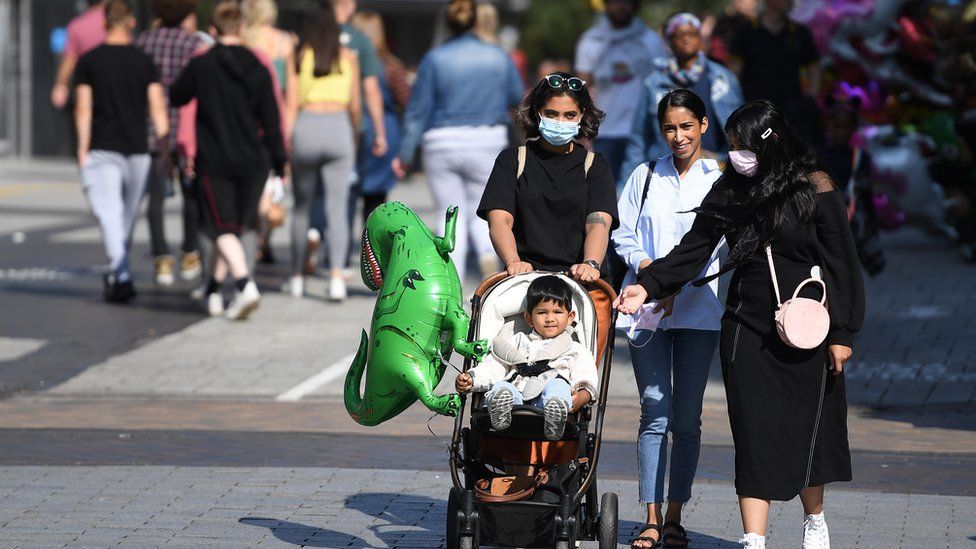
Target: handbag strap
(772, 273)
(812, 279)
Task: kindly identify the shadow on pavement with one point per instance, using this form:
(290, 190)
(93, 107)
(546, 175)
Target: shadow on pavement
(960, 417)
(304, 535)
(627, 530)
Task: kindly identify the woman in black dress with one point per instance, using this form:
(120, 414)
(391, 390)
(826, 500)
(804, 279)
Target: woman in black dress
(787, 406)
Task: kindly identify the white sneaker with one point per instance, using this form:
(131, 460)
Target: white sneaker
(337, 289)
(244, 302)
(215, 304)
(556, 413)
(500, 409)
(296, 286)
(753, 541)
(198, 293)
(815, 534)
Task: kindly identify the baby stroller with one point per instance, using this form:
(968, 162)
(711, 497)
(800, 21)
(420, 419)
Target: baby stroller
(514, 488)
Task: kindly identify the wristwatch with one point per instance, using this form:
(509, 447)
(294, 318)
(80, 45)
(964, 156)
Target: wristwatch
(592, 263)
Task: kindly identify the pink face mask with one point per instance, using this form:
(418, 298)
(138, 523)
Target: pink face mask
(744, 162)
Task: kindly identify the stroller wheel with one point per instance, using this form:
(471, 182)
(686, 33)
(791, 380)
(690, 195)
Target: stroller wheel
(456, 540)
(607, 526)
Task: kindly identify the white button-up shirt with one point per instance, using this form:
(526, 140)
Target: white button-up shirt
(659, 227)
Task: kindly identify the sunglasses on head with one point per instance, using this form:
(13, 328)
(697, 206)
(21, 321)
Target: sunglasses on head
(556, 82)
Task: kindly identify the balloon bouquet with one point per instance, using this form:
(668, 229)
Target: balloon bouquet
(910, 65)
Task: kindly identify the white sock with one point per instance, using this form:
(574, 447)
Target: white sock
(819, 517)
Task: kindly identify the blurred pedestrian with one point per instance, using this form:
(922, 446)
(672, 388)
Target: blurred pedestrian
(278, 47)
(324, 142)
(376, 176)
(615, 56)
(738, 14)
(670, 363)
(370, 69)
(237, 127)
(785, 222)
(686, 67)
(459, 113)
(849, 165)
(118, 89)
(171, 46)
(776, 59)
(85, 32)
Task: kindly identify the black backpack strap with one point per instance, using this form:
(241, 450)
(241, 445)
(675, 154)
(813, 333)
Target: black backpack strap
(647, 184)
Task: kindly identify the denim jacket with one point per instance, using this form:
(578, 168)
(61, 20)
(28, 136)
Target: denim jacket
(646, 141)
(463, 82)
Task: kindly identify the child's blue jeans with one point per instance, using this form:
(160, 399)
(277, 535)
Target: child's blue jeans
(556, 388)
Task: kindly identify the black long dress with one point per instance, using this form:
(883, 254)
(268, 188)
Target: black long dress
(787, 411)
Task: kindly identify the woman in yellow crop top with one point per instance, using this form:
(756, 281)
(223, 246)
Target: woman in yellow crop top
(323, 145)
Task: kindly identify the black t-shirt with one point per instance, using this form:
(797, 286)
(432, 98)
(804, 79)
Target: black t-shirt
(550, 202)
(119, 77)
(771, 63)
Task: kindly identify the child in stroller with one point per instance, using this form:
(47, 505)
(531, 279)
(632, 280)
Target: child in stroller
(545, 368)
(515, 488)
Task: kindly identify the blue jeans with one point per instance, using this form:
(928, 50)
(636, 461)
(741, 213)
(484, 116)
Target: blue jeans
(671, 368)
(556, 388)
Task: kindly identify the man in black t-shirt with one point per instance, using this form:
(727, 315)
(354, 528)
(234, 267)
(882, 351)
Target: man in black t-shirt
(117, 86)
(238, 125)
(776, 59)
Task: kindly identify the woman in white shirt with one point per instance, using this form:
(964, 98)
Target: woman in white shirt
(670, 363)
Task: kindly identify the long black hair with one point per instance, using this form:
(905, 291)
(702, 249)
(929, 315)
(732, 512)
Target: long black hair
(527, 117)
(781, 194)
(320, 33)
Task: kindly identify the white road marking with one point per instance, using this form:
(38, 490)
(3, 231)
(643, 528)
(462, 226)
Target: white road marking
(330, 373)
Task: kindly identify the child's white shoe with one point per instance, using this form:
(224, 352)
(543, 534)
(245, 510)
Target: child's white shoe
(815, 534)
(500, 409)
(556, 413)
(753, 541)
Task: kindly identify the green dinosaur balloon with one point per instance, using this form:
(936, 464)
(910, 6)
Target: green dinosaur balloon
(418, 317)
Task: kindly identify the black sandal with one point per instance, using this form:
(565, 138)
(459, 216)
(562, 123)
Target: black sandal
(675, 541)
(652, 541)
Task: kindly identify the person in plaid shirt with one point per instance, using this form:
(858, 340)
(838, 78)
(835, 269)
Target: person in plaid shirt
(171, 46)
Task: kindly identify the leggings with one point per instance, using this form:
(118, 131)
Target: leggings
(323, 154)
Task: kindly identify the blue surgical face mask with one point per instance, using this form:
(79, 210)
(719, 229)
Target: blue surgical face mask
(557, 133)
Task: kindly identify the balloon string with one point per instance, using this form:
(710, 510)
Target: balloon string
(433, 434)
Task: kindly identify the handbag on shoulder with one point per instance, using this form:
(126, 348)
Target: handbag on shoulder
(801, 322)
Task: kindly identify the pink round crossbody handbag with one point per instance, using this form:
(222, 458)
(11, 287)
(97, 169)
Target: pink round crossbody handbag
(801, 322)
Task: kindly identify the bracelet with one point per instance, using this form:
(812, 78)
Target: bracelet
(592, 263)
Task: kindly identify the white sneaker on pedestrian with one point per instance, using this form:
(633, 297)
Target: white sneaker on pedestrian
(244, 302)
(815, 534)
(753, 541)
(500, 409)
(296, 286)
(215, 304)
(337, 289)
(556, 413)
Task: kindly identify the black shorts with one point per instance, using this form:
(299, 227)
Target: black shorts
(229, 203)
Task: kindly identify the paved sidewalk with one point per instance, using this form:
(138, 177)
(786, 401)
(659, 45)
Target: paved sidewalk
(328, 507)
